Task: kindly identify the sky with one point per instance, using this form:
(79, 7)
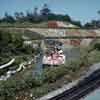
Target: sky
(83, 10)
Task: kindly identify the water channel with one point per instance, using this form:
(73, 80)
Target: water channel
(93, 96)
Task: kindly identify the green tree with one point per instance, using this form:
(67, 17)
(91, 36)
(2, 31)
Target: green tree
(45, 10)
(19, 16)
(8, 18)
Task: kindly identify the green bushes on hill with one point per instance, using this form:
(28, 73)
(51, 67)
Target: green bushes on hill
(94, 57)
(51, 74)
(73, 64)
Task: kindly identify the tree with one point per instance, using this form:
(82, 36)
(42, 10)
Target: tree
(88, 25)
(45, 10)
(92, 24)
(17, 40)
(0, 20)
(77, 23)
(29, 16)
(19, 16)
(8, 18)
(36, 17)
(35, 13)
(67, 18)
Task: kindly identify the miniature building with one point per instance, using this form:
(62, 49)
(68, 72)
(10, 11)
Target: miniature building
(60, 24)
(52, 24)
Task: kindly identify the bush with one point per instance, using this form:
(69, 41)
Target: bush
(51, 75)
(40, 91)
(4, 60)
(73, 64)
(32, 82)
(84, 52)
(13, 85)
(7, 90)
(94, 57)
(96, 45)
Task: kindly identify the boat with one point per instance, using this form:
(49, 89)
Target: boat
(54, 58)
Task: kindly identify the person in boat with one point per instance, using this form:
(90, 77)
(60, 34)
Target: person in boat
(61, 57)
(47, 58)
(54, 57)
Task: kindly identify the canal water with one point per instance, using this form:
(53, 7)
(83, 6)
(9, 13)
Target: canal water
(71, 53)
(37, 71)
(94, 95)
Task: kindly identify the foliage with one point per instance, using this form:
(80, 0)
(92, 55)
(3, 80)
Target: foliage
(40, 91)
(94, 57)
(91, 54)
(92, 24)
(45, 10)
(44, 15)
(9, 42)
(73, 64)
(35, 18)
(8, 18)
(4, 60)
(96, 45)
(51, 74)
(9, 88)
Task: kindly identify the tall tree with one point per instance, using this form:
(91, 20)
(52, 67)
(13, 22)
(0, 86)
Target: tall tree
(45, 10)
(35, 13)
(8, 18)
(19, 16)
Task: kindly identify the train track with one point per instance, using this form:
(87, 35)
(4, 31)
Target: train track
(82, 89)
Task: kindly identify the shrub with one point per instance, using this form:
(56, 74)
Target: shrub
(51, 75)
(7, 89)
(84, 52)
(94, 57)
(40, 91)
(32, 82)
(73, 64)
(4, 60)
